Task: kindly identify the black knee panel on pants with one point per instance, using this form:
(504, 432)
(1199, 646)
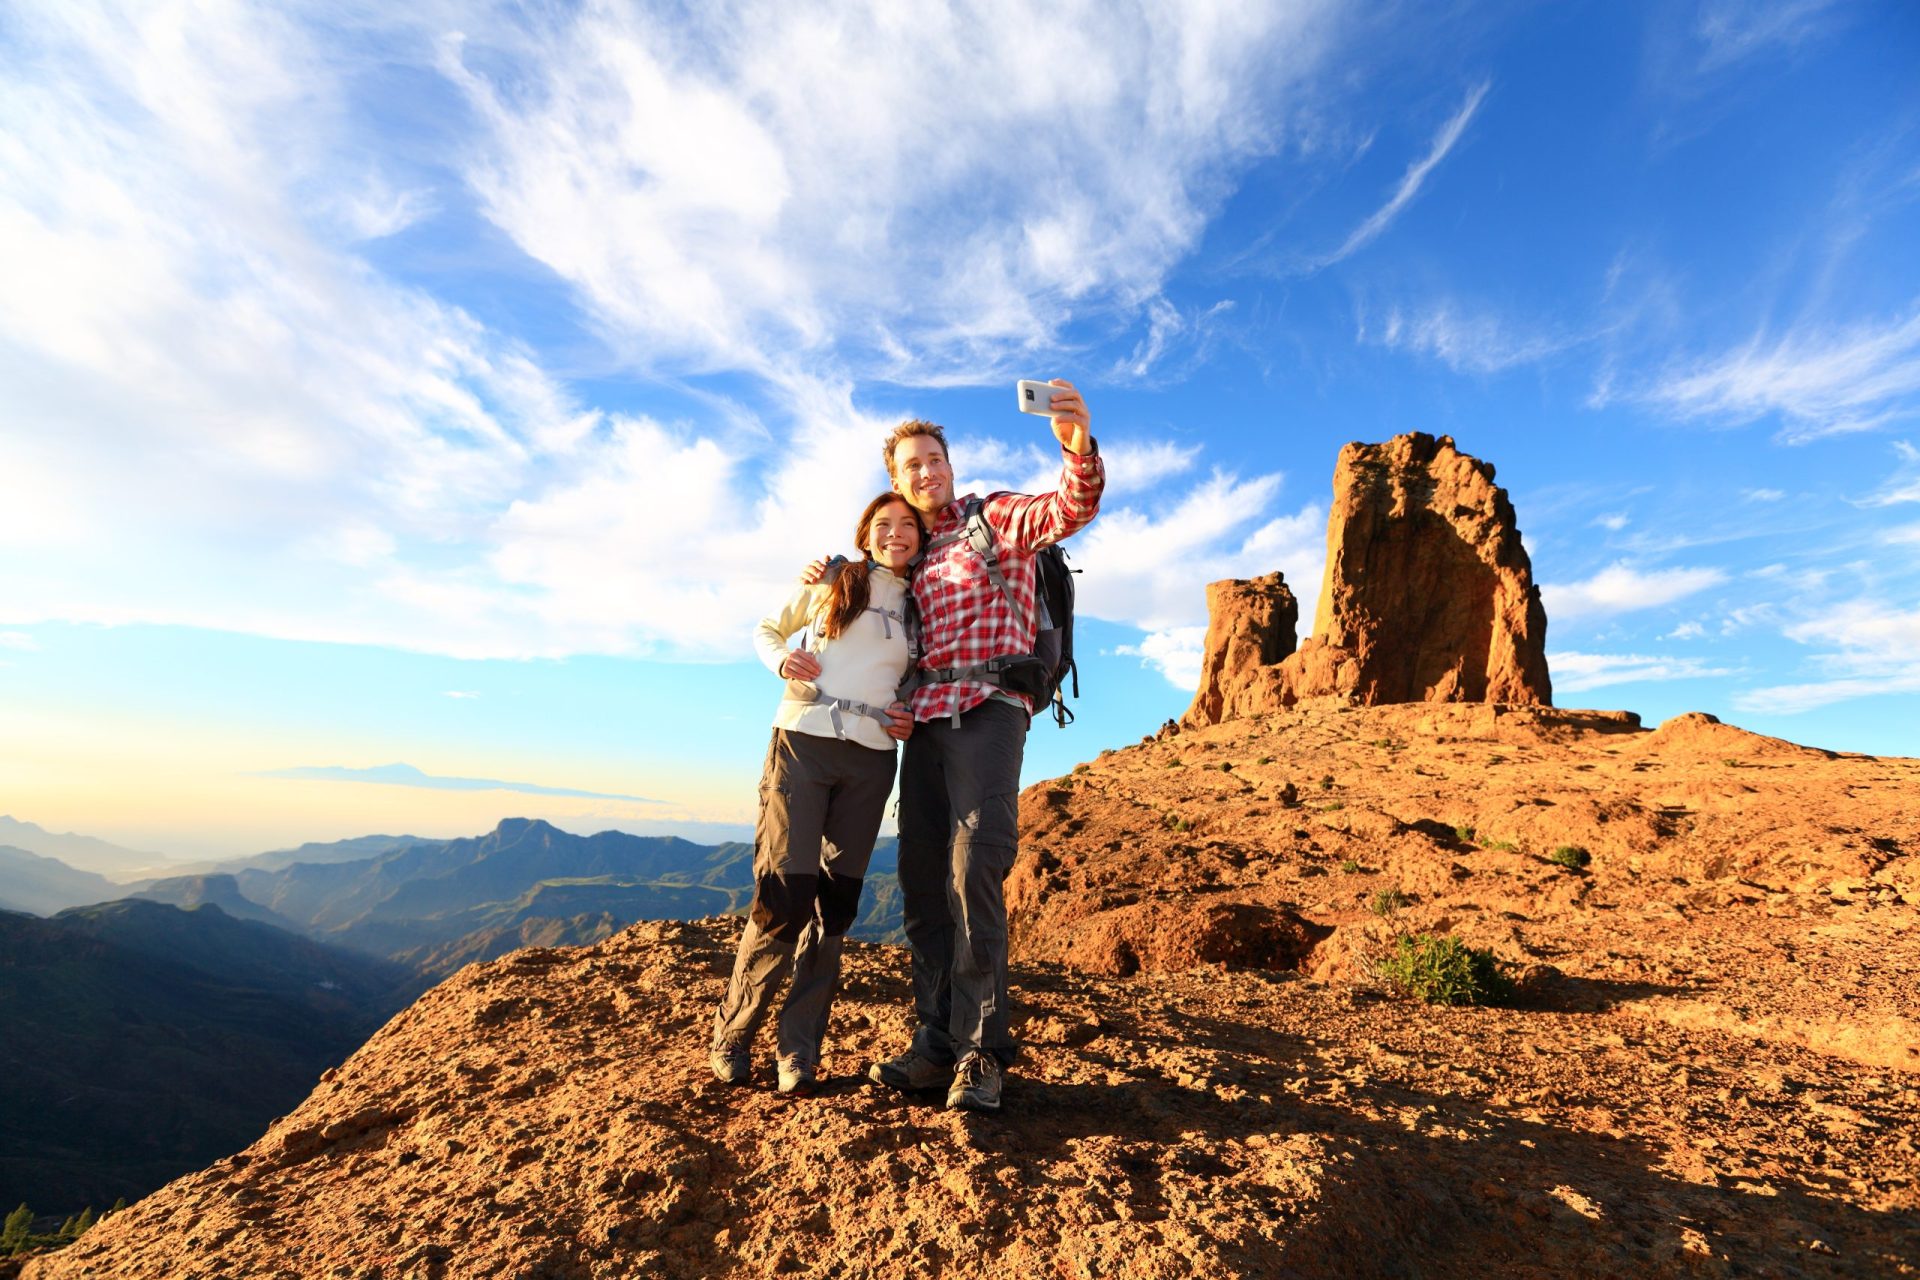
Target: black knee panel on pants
(783, 905)
(839, 903)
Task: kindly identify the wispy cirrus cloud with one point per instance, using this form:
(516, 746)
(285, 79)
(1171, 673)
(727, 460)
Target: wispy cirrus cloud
(1577, 672)
(812, 196)
(1731, 31)
(1903, 485)
(1622, 587)
(1465, 340)
(1413, 179)
(1816, 380)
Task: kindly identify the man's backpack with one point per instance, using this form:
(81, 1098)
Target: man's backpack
(1053, 622)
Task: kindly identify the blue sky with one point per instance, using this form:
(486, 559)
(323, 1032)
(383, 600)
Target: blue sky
(456, 388)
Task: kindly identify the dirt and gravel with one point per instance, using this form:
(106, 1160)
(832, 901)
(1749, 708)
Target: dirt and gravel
(1713, 1071)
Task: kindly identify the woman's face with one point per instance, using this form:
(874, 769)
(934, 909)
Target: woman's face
(893, 537)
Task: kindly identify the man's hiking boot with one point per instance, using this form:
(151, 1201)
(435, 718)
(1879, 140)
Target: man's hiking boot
(732, 1064)
(976, 1085)
(910, 1072)
(797, 1078)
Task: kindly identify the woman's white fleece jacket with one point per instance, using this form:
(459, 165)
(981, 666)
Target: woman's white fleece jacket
(865, 663)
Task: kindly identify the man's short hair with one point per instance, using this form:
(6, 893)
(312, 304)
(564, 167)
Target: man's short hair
(906, 431)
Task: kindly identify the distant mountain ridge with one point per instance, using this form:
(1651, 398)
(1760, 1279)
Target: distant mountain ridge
(41, 885)
(417, 900)
(82, 853)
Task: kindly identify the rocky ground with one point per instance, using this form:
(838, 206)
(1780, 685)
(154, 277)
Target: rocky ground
(1713, 1072)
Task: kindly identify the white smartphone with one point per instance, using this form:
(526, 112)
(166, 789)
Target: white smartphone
(1036, 397)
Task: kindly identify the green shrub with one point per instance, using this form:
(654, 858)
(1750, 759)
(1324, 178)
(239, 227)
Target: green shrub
(1571, 856)
(1264, 760)
(1177, 823)
(1335, 807)
(1464, 833)
(1350, 866)
(1326, 782)
(1388, 901)
(1444, 970)
(1500, 846)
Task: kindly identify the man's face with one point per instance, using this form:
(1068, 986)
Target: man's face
(921, 474)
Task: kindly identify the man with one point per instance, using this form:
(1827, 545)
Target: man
(960, 774)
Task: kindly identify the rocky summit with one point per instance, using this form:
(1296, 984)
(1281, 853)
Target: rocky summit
(1709, 1069)
(1428, 596)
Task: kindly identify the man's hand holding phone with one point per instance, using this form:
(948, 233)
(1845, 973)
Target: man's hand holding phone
(1062, 403)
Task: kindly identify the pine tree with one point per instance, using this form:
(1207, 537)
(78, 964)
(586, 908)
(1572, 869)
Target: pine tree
(66, 1229)
(85, 1220)
(118, 1205)
(14, 1233)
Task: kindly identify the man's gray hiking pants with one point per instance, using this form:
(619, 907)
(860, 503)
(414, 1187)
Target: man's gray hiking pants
(821, 801)
(959, 832)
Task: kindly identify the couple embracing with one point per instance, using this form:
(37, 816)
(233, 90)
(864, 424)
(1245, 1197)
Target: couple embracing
(830, 766)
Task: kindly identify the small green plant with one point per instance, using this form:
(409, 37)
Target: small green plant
(1500, 846)
(1444, 970)
(1264, 760)
(1350, 866)
(1176, 763)
(1326, 782)
(1177, 823)
(1496, 759)
(1081, 768)
(1571, 856)
(1388, 901)
(1464, 833)
(1335, 807)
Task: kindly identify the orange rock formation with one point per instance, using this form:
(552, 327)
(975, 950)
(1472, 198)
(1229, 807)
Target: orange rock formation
(1428, 597)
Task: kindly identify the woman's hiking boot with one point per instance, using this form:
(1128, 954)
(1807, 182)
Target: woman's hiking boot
(731, 1063)
(911, 1072)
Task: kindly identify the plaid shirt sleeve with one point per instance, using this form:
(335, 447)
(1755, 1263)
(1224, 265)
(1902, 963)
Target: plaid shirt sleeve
(964, 618)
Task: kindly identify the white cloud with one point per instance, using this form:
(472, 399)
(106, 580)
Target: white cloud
(460, 695)
(1870, 648)
(1686, 631)
(1613, 520)
(1902, 535)
(1414, 178)
(1622, 587)
(824, 177)
(238, 422)
(1818, 381)
(1903, 485)
(19, 641)
(1763, 495)
(1176, 652)
(1463, 341)
(1150, 567)
(1731, 31)
(1576, 672)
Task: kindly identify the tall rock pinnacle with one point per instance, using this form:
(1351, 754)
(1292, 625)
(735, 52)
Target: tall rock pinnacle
(1428, 596)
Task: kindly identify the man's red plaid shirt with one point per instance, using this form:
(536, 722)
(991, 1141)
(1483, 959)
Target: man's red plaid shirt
(964, 618)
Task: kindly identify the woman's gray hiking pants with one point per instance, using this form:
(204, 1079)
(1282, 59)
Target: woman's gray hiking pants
(821, 801)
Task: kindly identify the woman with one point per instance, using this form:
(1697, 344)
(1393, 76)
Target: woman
(829, 771)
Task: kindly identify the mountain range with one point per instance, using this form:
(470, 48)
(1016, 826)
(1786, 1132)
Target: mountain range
(143, 1040)
(236, 987)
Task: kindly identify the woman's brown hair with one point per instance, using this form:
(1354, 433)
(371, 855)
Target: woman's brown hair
(849, 592)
